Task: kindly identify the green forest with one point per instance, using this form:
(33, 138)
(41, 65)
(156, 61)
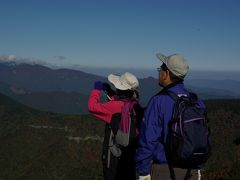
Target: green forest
(42, 145)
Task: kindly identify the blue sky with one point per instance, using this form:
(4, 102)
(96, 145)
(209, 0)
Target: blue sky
(122, 33)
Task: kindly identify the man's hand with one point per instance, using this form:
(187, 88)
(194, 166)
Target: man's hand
(148, 177)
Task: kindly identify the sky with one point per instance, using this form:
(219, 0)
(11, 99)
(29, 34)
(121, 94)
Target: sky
(121, 33)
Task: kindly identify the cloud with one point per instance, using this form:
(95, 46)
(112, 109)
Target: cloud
(61, 58)
(33, 61)
(19, 60)
(7, 58)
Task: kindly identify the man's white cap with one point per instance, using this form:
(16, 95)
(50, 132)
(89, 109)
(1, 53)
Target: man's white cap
(175, 63)
(127, 81)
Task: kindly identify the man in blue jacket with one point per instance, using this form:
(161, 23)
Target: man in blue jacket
(151, 161)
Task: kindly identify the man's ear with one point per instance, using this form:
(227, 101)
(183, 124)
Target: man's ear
(167, 74)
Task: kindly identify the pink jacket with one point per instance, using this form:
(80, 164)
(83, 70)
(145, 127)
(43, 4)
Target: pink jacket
(103, 110)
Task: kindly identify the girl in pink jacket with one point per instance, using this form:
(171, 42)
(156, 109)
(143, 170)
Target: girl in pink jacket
(118, 162)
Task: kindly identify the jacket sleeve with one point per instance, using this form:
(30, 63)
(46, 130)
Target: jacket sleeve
(149, 137)
(102, 110)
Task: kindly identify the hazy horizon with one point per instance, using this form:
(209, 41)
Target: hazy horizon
(139, 72)
(152, 72)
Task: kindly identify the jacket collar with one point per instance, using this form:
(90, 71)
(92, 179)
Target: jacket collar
(168, 87)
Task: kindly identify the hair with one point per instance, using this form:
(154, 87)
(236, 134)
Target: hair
(173, 77)
(125, 94)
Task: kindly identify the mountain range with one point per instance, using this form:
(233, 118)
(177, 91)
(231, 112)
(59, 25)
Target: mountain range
(67, 90)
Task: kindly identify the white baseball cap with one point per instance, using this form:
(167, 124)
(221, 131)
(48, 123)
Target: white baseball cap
(124, 82)
(175, 63)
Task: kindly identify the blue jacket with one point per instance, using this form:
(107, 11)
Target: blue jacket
(154, 126)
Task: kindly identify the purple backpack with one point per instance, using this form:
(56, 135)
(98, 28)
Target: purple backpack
(188, 144)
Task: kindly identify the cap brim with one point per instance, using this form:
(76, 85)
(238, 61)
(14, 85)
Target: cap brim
(162, 58)
(115, 80)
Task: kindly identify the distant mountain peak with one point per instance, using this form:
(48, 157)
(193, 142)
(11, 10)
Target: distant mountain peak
(8, 63)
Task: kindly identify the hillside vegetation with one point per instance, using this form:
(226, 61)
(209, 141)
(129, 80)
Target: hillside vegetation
(41, 145)
(224, 123)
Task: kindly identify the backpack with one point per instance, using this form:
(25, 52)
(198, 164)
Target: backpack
(188, 144)
(126, 130)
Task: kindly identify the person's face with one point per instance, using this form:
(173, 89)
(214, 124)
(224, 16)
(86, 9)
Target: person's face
(163, 75)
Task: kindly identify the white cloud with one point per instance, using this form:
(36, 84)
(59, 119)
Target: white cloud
(8, 58)
(19, 60)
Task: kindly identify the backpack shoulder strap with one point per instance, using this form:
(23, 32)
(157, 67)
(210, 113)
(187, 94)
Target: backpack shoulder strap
(168, 93)
(172, 95)
(128, 104)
